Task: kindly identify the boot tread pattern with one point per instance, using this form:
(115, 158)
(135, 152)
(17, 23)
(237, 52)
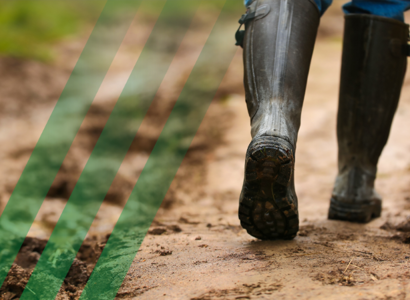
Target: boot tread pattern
(267, 209)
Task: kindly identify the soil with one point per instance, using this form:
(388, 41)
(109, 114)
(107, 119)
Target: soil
(195, 248)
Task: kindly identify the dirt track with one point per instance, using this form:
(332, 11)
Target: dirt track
(196, 248)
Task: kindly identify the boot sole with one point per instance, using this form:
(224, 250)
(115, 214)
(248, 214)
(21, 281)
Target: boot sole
(266, 209)
(363, 213)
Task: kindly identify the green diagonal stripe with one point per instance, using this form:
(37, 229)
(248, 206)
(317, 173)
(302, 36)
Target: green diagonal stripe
(61, 128)
(164, 160)
(111, 148)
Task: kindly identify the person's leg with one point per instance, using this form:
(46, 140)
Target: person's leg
(384, 8)
(322, 5)
(373, 67)
(278, 46)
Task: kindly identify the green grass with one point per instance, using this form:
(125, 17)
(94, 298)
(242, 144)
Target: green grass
(28, 28)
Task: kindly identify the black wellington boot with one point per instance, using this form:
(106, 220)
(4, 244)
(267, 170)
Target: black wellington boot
(278, 46)
(373, 68)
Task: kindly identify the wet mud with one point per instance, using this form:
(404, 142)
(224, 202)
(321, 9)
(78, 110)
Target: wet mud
(196, 248)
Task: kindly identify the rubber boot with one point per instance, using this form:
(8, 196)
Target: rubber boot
(373, 68)
(278, 45)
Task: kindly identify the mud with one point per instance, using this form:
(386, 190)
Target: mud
(29, 255)
(195, 248)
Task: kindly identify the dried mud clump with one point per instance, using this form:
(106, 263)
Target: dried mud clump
(404, 226)
(404, 237)
(402, 231)
(305, 230)
(163, 252)
(15, 282)
(157, 231)
(165, 229)
(335, 277)
(246, 291)
(26, 260)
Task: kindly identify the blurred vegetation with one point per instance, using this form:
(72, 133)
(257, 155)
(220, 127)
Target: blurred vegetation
(28, 28)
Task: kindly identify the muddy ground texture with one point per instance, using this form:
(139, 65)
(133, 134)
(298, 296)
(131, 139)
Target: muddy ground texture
(195, 248)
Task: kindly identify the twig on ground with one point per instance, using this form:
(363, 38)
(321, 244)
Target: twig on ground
(348, 265)
(357, 267)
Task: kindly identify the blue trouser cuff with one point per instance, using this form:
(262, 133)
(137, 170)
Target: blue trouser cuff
(385, 8)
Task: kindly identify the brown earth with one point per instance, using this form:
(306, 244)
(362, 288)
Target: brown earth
(196, 248)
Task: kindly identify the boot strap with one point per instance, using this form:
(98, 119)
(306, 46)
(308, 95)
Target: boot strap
(251, 13)
(240, 34)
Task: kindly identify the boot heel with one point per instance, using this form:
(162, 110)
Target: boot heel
(359, 213)
(267, 208)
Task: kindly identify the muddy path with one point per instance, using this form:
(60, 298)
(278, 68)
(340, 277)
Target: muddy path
(213, 258)
(195, 248)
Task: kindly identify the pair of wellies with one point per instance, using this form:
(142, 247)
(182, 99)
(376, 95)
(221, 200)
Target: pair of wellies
(277, 44)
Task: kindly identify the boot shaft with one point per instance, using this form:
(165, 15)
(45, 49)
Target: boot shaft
(373, 68)
(278, 47)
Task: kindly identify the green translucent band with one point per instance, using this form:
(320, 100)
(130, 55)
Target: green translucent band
(164, 160)
(61, 128)
(111, 148)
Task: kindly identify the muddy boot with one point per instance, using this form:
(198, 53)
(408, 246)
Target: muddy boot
(278, 45)
(373, 68)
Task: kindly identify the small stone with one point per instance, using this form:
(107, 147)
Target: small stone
(157, 231)
(164, 252)
(175, 228)
(198, 238)
(387, 226)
